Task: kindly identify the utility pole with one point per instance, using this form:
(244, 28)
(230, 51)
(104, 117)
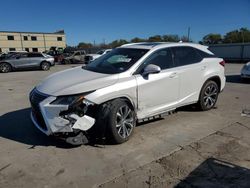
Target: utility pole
(44, 42)
(188, 33)
(243, 36)
(21, 39)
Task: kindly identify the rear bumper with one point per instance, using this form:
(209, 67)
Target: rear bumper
(223, 83)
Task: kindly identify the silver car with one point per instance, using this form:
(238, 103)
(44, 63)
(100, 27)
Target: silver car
(26, 60)
(132, 83)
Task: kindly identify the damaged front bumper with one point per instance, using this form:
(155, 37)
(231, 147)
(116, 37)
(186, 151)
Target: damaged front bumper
(56, 119)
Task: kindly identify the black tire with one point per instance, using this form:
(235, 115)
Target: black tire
(244, 80)
(208, 95)
(45, 66)
(107, 117)
(5, 67)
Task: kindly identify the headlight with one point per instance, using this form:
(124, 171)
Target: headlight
(70, 100)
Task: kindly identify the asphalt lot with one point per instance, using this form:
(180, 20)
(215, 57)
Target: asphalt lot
(160, 153)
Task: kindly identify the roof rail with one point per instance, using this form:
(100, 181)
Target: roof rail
(153, 44)
(129, 44)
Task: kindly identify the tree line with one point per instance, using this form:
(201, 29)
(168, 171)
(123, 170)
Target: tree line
(241, 35)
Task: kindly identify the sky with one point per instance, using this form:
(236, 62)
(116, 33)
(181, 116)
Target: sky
(99, 20)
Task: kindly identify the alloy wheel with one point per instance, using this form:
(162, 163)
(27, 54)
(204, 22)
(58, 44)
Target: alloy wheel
(210, 95)
(124, 121)
(45, 66)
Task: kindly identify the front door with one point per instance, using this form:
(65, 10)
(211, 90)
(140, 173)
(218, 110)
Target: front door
(158, 92)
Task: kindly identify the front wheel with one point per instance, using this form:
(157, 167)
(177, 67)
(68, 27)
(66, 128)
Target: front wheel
(45, 66)
(208, 96)
(120, 120)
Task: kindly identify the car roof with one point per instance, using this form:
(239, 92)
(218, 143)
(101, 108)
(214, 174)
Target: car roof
(159, 45)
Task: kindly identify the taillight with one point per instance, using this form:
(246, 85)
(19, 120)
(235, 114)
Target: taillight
(222, 63)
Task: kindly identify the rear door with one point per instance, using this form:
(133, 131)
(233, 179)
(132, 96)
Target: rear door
(191, 70)
(157, 92)
(34, 59)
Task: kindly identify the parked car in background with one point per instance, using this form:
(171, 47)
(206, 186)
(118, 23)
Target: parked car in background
(58, 55)
(92, 57)
(245, 71)
(76, 57)
(134, 82)
(26, 60)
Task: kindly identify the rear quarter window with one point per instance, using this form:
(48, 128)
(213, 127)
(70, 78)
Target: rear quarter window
(185, 56)
(204, 54)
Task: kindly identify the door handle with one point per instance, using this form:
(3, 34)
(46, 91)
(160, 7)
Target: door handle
(203, 68)
(173, 75)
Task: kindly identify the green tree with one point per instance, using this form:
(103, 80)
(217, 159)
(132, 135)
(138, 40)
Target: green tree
(212, 39)
(84, 45)
(185, 39)
(245, 34)
(155, 38)
(237, 36)
(170, 38)
(117, 43)
(232, 37)
(136, 39)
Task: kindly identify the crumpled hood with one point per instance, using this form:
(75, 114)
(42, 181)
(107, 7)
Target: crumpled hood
(74, 81)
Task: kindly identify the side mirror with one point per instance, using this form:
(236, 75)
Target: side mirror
(151, 69)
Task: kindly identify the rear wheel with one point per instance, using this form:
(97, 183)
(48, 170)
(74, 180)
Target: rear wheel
(120, 120)
(45, 66)
(209, 95)
(5, 67)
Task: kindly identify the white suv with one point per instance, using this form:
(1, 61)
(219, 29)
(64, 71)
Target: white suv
(131, 83)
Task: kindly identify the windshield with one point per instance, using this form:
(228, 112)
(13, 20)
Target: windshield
(117, 61)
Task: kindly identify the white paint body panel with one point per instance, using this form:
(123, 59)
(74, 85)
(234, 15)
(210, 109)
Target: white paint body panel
(157, 92)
